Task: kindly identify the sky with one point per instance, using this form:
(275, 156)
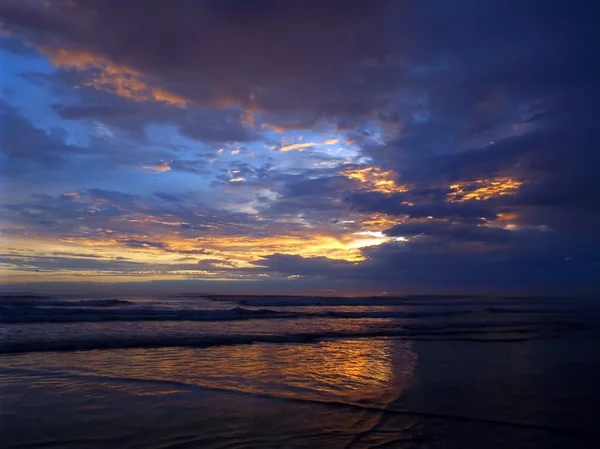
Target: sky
(332, 147)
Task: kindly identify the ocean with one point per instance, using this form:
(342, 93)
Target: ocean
(187, 371)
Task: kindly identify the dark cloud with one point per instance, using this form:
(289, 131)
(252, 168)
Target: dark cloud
(402, 266)
(80, 263)
(136, 221)
(22, 143)
(396, 204)
(310, 267)
(168, 197)
(260, 50)
(85, 265)
(197, 166)
(197, 227)
(454, 232)
(112, 196)
(132, 243)
(207, 125)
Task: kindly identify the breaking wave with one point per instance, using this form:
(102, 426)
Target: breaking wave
(484, 332)
(73, 314)
(35, 301)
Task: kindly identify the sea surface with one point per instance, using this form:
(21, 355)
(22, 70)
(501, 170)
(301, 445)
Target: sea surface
(190, 371)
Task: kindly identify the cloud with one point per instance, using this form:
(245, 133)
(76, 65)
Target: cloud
(454, 232)
(253, 53)
(296, 146)
(311, 267)
(469, 132)
(118, 79)
(22, 143)
(168, 197)
(402, 204)
(132, 243)
(402, 267)
(158, 167)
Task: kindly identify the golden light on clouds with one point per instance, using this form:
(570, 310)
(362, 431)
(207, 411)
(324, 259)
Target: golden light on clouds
(296, 146)
(483, 189)
(246, 249)
(115, 78)
(375, 179)
(302, 145)
(211, 257)
(158, 167)
(364, 239)
(381, 222)
(507, 216)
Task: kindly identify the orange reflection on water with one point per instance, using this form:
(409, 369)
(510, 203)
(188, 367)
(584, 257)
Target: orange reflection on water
(352, 371)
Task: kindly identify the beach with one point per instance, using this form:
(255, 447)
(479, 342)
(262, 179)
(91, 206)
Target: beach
(183, 372)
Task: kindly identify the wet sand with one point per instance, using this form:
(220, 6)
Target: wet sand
(537, 393)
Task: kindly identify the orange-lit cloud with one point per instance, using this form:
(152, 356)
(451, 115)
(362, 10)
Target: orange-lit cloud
(115, 78)
(483, 189)
(507, 216)
(381, 222)
(296, 146)
(375, 179)
(158, 168)
(248, 118)
(301, 146)
(284, 128)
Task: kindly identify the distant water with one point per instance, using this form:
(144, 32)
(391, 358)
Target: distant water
(189, 371)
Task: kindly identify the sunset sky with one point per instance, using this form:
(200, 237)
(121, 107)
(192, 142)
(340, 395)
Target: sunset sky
(300, 146)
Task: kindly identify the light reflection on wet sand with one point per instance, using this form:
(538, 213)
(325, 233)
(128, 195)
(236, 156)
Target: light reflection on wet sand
(456, 395)
(135, 392)
(344, 370)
